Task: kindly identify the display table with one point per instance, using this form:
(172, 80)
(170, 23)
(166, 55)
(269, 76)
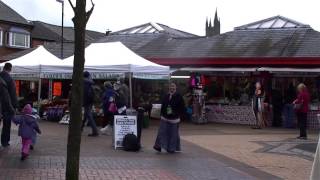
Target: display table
(232, 114)
(313, 120)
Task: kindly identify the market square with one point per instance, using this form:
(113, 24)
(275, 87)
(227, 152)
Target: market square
(88, 94)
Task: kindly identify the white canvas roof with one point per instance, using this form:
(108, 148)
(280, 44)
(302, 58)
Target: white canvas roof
(35, 63)
(115, 57)
(102, 60)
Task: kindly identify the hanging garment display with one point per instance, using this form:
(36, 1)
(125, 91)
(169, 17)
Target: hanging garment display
(198, 107)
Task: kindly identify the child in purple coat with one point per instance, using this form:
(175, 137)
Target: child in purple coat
(28, 127)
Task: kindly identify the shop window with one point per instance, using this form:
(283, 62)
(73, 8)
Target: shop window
(19, 38)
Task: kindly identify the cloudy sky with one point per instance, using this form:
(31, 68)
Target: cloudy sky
(187, 15)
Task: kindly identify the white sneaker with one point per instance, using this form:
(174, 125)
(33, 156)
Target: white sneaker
(104, 130)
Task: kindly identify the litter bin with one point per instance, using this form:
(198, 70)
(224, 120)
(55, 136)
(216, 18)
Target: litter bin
(140, 118)
(146, 120)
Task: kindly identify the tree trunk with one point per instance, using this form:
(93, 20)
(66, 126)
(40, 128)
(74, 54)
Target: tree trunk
(74, 136)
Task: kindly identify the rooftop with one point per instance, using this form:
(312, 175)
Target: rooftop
(9, 15)
(52, 32)
(153, 28)
(276, 22)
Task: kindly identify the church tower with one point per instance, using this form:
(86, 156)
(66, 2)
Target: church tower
(213, 30)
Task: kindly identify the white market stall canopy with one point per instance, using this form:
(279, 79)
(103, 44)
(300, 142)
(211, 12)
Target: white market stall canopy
(35, 64)
(103, 60)
(115, 57)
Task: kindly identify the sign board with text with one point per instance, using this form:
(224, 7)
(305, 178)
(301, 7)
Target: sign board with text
(123, 125)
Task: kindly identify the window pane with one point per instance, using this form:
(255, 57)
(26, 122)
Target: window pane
(19, 40)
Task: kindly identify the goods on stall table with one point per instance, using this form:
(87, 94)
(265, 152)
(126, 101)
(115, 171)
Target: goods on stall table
(313, 120)
(231, 114)
(55, 113)
(198, 107)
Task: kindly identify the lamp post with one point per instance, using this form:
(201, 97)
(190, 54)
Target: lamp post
(62, 17)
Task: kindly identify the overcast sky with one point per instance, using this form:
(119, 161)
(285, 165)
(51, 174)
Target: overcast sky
(187, 15)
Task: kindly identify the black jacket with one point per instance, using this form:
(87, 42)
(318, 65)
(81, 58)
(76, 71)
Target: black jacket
(5, 105)
(88, 93)
(177, 106)
(11, 87)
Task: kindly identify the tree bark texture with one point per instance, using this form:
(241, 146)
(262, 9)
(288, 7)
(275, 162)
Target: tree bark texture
(74, 135)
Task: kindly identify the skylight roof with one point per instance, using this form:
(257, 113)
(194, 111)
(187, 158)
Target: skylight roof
(150, 28)
(276, 22)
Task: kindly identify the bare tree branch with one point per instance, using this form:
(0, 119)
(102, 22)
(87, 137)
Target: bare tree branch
(88, 14)
(72, 5)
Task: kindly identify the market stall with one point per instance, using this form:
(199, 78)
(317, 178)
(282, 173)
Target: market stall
(228, 93)
(310, 77)
(220, 95)
(103, 61)
(32, 67)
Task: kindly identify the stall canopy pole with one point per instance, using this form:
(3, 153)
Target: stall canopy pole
(130, 87)
(39, 90)
(50, 89)
(39, 94)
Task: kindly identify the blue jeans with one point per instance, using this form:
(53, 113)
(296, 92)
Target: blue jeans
(289, 115)
(89, 117)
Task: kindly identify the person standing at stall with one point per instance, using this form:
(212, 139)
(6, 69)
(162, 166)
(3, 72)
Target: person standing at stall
(258, 106)
(88, 96)
(172, 108)
(6, 111)
(301, 106)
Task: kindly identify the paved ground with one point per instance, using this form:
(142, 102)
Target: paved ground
(209, 152)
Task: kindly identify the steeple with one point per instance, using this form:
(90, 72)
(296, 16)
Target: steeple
(213, 28)
(216, 24)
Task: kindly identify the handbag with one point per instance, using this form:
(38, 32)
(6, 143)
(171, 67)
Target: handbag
(112, 107)
(297, 106)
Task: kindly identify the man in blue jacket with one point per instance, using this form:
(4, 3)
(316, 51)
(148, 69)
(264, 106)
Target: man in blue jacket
(88, 96)
(6, 110)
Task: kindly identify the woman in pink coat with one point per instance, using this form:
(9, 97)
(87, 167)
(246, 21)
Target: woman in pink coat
(301, 106)
(28, 127)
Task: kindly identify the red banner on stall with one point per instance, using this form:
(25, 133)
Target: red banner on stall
(17, 87)
(57, 88)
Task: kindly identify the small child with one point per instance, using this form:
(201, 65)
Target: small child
(28, 127)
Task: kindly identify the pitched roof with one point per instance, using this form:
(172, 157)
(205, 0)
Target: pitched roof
(52, 32)
(253, 43)
(153, 28)
(9, 15)
(275, 22)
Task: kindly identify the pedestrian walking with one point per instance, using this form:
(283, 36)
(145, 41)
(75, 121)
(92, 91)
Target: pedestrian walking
(172, 108)
(88, 96)
(301, 106)
(109, 108)
(28, 129)
(6, 110)
(5, 102)
(258, 106)
(122, 97)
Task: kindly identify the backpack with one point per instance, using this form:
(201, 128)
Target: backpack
(131, 143)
